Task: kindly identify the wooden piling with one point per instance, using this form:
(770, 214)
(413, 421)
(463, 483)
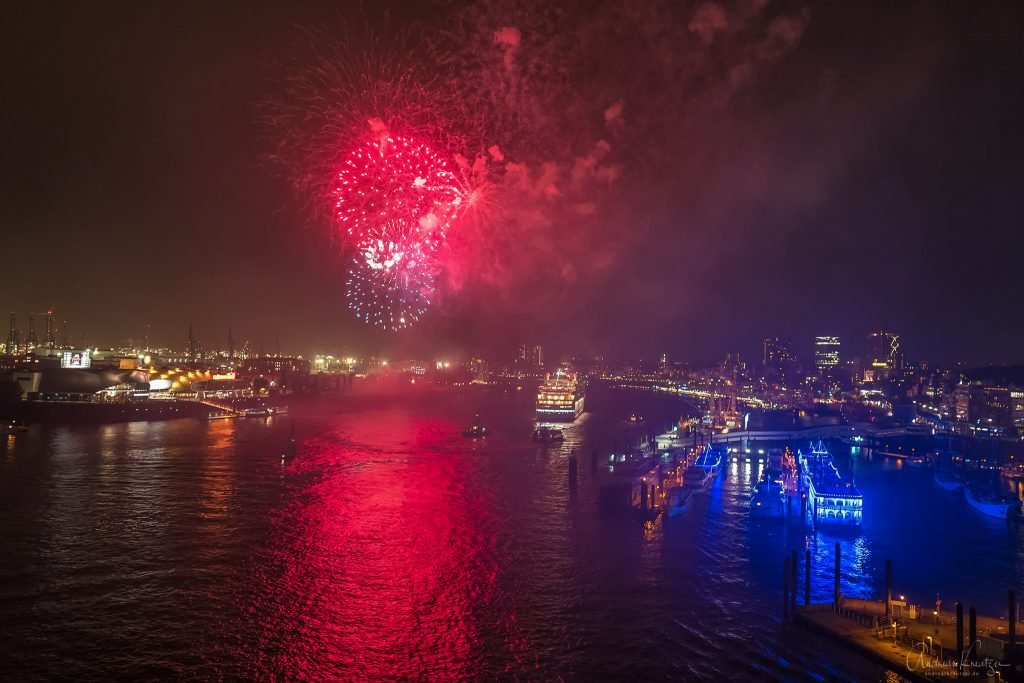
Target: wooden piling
(792, 581)
(835, 588)
(888, 590)
(972, 627)
(785, 590)
(959, 635)
(807, 578)
(1011, 624)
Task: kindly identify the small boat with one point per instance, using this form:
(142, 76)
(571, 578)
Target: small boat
(636, 419)
(677, 500)
(769, 499)
(989, 505)
(13, 427)
(476, 430)
(547, 435)
(947, 481)
(697, 478)
(920, 461)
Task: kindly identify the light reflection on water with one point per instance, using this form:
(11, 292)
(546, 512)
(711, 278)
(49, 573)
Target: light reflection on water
(389, 546)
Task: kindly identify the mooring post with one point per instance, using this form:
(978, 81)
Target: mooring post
(972, 627)
(1011, 625)
(792, 581)
(835, 587)
(807, 578)
(785, 590)
(959, 637)
(888, 590)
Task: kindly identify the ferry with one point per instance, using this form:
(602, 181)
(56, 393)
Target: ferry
(561, 397)
(769, 499)
(547, 435)
(831, 497)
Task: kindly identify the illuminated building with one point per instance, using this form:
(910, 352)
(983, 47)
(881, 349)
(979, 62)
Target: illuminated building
(777, 358)
(31, 343)
(826, 353)
(12, 335)
(531, 356)
(1017, 409)
(884, 354)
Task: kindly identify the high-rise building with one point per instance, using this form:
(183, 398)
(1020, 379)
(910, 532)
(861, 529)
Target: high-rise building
(50, 341)
(531, 356)
(776, 356)
(31, 342)
(884, 354)
(12, 335)
(826, 353)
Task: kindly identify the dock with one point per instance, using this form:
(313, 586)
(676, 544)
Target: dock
(917, 644)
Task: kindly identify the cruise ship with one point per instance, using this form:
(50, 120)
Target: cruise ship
(560, 397)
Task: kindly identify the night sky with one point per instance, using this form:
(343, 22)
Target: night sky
(867, 175)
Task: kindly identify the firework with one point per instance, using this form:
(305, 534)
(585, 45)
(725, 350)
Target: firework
(390, 279)
(396, 180)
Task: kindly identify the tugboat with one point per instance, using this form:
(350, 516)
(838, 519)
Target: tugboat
(547, 435)
(476, 430)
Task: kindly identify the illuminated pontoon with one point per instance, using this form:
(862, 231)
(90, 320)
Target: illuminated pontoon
(831, 497)
(560, 397)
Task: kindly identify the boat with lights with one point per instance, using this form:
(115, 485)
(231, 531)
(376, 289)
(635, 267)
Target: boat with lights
(476, 429)
(769, 498)
(561, 397)
(547, 435)
(832, 498)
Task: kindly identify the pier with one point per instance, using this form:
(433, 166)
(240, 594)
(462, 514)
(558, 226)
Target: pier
(918, 644)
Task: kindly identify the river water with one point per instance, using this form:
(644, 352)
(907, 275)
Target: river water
(386, 546)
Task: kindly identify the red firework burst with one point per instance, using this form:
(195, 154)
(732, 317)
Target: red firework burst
(396, 180)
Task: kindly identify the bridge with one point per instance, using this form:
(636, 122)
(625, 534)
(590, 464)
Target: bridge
(865, 432)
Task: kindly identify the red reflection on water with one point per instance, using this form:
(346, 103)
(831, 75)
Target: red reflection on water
(382, 558)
